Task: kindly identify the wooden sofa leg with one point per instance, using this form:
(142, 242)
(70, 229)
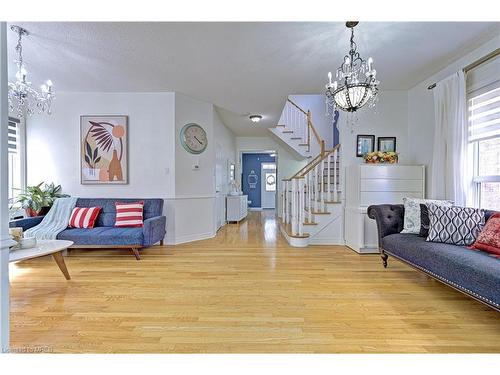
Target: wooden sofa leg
(136, 253)
(161, 242)
(384, 257)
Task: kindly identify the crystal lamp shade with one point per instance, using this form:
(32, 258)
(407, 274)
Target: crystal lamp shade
(352, 97)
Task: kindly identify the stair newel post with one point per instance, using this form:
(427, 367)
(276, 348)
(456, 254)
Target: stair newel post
(322, 185)
(283, 201)
(316, 188)
(328, 176)
(309, 196)
(294, 206)
(301, 206)
(335, 173)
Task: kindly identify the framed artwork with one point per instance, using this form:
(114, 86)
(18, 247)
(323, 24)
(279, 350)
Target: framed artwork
(364, 144)
(104, 150)
(386, 144)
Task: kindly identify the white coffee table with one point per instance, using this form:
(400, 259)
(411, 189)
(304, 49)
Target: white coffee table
(44, 247)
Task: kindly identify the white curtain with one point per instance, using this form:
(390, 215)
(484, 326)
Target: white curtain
(450, 172)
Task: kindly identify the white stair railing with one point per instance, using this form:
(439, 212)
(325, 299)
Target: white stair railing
(308, 192)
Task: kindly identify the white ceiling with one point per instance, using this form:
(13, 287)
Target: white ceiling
(242, 68)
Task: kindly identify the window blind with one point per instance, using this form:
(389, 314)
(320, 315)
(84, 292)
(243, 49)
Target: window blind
(483, 97)
(14, 133)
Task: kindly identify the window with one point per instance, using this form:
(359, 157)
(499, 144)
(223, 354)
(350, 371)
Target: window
(483, 97)
(16, 156)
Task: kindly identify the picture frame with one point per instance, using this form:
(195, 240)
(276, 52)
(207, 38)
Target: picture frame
(104, 149)
(364, 144)
(386, 144)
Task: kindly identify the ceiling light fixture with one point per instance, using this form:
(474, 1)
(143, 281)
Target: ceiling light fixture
(355, 81)
(22, 97)
(255, 118)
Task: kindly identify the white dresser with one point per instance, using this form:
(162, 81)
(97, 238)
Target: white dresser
(368, 184)
(236, 207)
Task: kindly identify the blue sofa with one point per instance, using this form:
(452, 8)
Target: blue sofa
(474, 273)
(104, 234)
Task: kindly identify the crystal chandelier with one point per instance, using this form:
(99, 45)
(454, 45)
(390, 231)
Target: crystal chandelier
(22, 97)
(357, 83)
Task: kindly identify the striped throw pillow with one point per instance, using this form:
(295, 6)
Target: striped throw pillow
(129, 214)
(83, 217)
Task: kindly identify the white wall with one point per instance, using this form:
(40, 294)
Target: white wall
(158, 165)
(53, 143)
(287, 164)
(5, 240)
(226, 140)
(389, 119)
(421, 108)
(194, 205)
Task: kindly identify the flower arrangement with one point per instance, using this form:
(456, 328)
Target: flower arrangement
(379, 157)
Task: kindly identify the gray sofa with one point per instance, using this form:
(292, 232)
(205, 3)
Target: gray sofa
(105, 234)
(474, 273)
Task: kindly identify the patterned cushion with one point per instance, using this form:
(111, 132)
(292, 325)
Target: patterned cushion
(412, 213)
(489, 238)
(454, 225)
(83, 217)
(424, 221)
(129, 214)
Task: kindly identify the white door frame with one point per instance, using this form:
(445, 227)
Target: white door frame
(5, 240)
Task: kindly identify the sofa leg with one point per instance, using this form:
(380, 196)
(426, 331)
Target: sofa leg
(136, 254)
(384, 257)
(161, 242)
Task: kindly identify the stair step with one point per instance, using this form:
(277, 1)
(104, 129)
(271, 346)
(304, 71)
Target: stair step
(280, 125)
(318, 212)
(288, 230)
(310, 223)
(302, 144)
(296, 138)
(331, 202)
(287, 131)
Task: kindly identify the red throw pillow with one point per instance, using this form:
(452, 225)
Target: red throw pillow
(83, 217)
(129, 214)
(489, 238)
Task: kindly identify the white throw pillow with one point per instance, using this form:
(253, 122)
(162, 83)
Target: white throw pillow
(412, 212)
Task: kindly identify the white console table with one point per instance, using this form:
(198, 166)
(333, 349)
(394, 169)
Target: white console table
(236, 207)
(368, 184)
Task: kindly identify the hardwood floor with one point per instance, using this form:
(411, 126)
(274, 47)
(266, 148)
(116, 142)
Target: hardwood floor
(244, 291)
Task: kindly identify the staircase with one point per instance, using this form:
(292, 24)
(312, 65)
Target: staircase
(311, 205)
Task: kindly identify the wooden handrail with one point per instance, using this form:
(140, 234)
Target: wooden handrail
(315, 132)
(314, 163)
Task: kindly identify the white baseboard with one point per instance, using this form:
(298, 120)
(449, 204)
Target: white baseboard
(191, 237)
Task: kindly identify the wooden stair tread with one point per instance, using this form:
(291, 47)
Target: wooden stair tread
(287, 131)
(288, 230)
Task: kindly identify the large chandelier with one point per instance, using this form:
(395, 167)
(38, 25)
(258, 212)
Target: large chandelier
(355, 81)
(23, 98)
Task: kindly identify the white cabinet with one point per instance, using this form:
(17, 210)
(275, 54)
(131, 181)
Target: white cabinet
(236, 207)
(368, 184)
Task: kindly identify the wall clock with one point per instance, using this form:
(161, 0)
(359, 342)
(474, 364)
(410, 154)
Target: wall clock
(193, 138)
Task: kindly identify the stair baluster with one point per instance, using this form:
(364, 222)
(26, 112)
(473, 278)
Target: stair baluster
(328, 175)
(310, 196)
(335, 172)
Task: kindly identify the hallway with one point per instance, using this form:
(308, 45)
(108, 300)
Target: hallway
(244, 291)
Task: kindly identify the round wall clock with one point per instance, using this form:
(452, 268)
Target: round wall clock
(193, 138)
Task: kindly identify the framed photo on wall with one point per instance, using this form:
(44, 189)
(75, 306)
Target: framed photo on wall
(386, 144)
(104, 150)
(364, 144)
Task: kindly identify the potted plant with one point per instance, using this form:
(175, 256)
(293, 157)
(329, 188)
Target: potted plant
(37, 200)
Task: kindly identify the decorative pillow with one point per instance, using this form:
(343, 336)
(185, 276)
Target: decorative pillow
(411, 221)
(424, 220)
(454, 225)
(489, 238)
(83, 217)
(129, 214)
